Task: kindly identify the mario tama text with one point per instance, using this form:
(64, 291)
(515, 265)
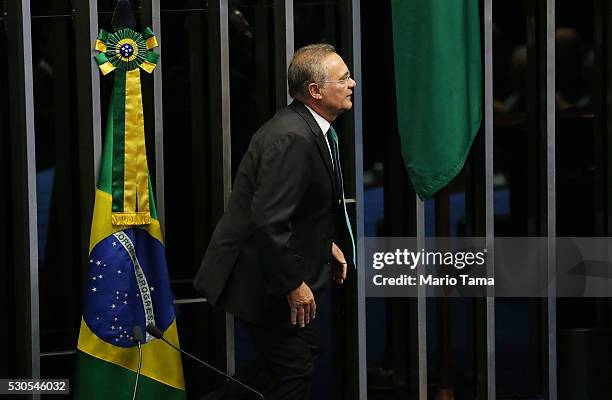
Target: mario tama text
(448, 267)
(432, 280)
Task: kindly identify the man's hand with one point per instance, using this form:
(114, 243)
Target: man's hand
(302, 305)
(339, 256)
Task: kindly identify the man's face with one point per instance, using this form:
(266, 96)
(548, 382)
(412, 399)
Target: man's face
(337, 89)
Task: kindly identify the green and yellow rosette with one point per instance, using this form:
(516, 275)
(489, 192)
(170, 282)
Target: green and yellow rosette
(126, 52)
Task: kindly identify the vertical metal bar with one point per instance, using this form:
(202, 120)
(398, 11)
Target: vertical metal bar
(220, 156)
(289, 40)
(489, 211)
(24, 160)
(87, 74)
(421, 305)
(96, 107)
(284, 34)
(606, 59)
(225, 99)
(353, 301)
(7, 350)
(31, 186)
(359, 198)
(599, 117)
(158, 107)
(606, 100)
(551, 219)
(227, 152)
(261, 51)
(88, 110)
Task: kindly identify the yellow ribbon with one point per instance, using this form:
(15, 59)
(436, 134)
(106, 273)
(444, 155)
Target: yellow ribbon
(136, 175)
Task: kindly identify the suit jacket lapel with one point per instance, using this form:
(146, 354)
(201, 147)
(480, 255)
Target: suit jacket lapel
(301, 109)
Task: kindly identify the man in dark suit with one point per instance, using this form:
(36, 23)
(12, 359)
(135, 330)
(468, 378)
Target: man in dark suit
(269, 259)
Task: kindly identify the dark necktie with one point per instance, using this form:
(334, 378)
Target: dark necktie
(333, 143)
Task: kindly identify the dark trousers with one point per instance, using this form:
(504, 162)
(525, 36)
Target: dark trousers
(283, 368)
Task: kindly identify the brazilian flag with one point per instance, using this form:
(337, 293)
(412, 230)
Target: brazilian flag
(127, 284)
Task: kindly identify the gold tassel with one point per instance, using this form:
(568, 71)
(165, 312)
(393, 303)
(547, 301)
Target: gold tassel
(128, 219)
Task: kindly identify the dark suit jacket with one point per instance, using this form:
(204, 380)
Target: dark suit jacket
(278, 228)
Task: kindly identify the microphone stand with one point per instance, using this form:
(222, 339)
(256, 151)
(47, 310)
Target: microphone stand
(157, 333)
(138, 337)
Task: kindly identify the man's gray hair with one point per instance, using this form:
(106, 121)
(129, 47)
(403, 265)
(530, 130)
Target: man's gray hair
(307, 67)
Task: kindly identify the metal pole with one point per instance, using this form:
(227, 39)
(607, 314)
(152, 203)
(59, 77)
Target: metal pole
(31, 186)
(225, 99)
(88, 112)
(421, 305)
(222, 52)
(359, 199)
(284, 32)
(158, 118)
(24, 196)
(489, 193)
(551, 208)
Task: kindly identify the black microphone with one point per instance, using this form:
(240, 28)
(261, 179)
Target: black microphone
(138, 339)
(158, 334)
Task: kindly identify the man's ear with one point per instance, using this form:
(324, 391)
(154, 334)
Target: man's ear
(314, 91)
